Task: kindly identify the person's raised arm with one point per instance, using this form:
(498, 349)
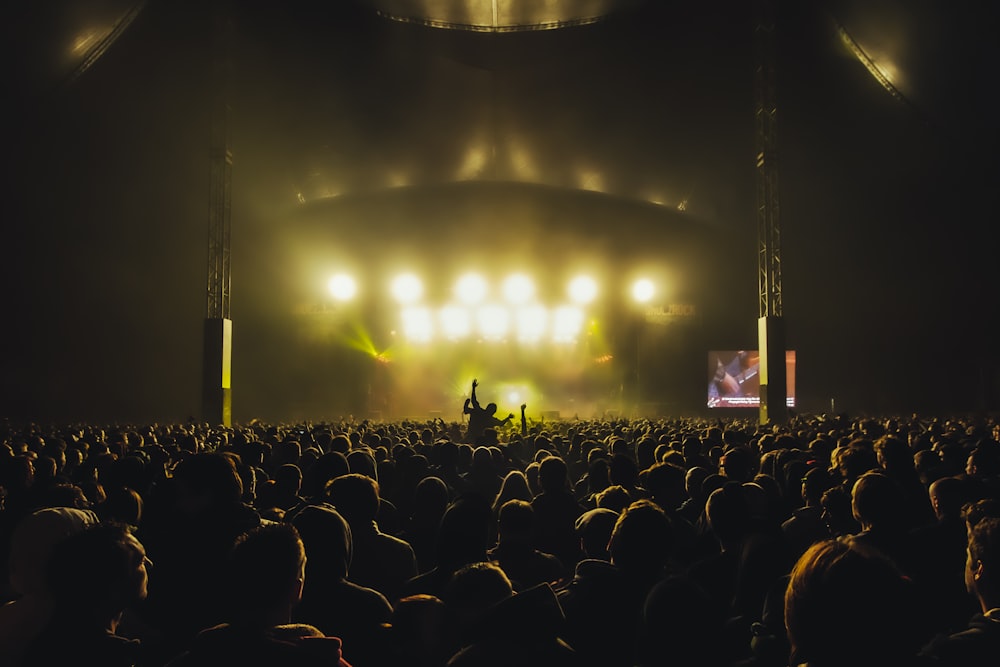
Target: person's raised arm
(524, 421)
(475, 401)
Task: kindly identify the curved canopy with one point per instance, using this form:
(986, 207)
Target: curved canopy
(500, 15)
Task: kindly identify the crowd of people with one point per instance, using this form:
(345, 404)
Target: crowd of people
(826, 540)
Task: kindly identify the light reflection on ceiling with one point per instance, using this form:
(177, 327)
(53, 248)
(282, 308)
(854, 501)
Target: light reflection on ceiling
(500, 15)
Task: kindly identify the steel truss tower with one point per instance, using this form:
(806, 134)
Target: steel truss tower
(770, 326)
(217, 357)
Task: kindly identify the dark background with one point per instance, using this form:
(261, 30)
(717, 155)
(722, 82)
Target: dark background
(342, 120)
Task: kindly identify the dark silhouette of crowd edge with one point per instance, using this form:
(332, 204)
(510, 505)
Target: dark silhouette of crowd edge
(828, 540)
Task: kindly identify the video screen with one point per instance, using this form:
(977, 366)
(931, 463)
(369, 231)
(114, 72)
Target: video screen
(734, 379)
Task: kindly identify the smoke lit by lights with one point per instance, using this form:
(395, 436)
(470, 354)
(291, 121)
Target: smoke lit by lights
(342, 287)
(494, 321)
(518, 288)
(523, 165)
(582, 289)
(86, 40)
(471, 288)
(472, 166)
(407, 288)
(590, 180)
(643, 290)
(417, 324)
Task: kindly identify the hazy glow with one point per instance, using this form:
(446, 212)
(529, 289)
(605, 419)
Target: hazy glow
(86, 40)
(567, 322)
(643, 290)
(456, 322)
(531, 323)
(407, 288)
(342, 287)
(523, 165)
(473, 164)
(398, 179)
(417, 324)
(471, 288)
(590, 180)
(888, 69)
(582, 289)
(884, 71)
(518, 288)
(494, 321)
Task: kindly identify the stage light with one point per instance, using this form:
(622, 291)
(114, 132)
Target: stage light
(643, 290)
(417, 324)
(567, 322)
(493, 321)
(582, 289)
(342, 287)
(407, 288)
(518, 288)
(471, 288)
(531, 322)
(456, 322)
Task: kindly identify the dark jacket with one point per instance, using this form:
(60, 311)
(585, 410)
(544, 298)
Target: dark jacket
(978, 645)
(287, 645)
(522, 630)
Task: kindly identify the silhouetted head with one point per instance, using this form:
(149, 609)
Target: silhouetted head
(846, 605)
(491, 408)
(327, 540)
(641, 539)
(552, 474)
(877, 501)
(356, 498)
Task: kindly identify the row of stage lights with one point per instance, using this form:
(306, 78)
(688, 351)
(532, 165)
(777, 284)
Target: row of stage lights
(518, 315)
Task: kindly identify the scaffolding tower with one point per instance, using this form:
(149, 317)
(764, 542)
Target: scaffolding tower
(770, 325)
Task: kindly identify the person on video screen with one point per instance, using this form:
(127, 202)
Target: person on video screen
(735, 378)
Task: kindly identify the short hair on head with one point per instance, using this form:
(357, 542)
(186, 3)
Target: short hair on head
(984, 542)
(615, 497)
(355, 496)
(476, 587)
(96, 568)
(211, 474)
(877, 500)
(985, 508)
(264, 565)
(949, 495)
(642, 537)
(552, 474)
(516, 519)
(847, 604)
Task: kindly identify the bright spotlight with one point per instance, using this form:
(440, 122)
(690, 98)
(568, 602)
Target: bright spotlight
(531, 322)
(643, 290)
(471, 288)
(567, 323)
(456, 322)
(493, 321)
(582, 289)
(407, 288)
(417, 325)
(342, 287)
(518, 288)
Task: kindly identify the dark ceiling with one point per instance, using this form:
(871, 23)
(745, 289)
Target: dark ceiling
(640, 120)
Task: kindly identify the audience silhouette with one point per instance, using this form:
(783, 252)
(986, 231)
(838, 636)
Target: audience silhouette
(824, 541)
